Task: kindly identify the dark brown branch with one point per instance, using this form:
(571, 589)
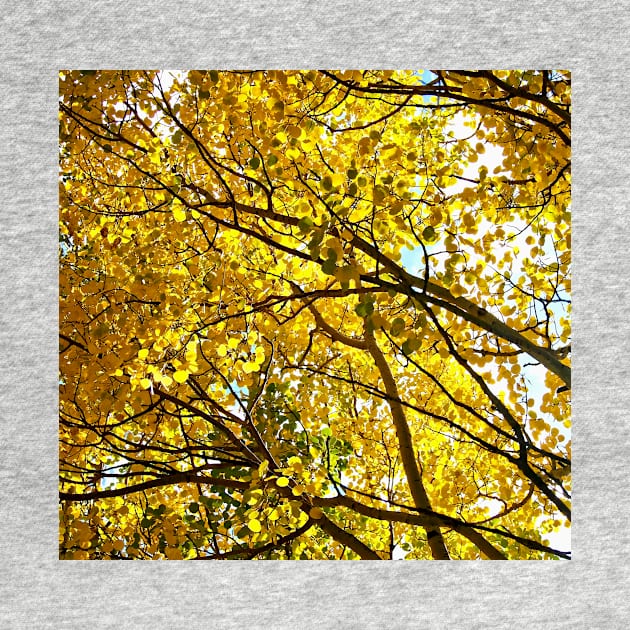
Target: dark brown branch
(169, 480)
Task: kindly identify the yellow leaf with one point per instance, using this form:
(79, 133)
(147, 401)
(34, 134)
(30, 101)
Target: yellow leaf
(254, 525)
(180, 376)
(293, 153)
(316, 513)
(179, 214)
(294, 131)
(282, 482)
(145, 383)
(233, 342)
(173, 553)
(254, 497)
(347, 273)
(338, 179)
(249, 367)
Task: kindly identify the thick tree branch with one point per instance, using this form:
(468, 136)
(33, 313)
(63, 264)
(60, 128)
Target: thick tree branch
(408, 454)
(428, 518)
(168, 480)
(346, 538)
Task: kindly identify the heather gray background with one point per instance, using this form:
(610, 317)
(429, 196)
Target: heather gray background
(39, 38)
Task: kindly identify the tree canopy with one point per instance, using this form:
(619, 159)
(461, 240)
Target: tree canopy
(304, 315)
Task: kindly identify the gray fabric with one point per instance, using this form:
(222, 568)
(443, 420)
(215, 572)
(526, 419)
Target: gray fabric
(39, 38)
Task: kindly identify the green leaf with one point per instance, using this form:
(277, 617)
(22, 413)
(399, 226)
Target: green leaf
(410, 346)
(329, 266)
(364, 309)
(421, 321)
(193, 507)
(397, 327)
(316, 240)
(305, 224)
(428, 234)
(254, 162)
